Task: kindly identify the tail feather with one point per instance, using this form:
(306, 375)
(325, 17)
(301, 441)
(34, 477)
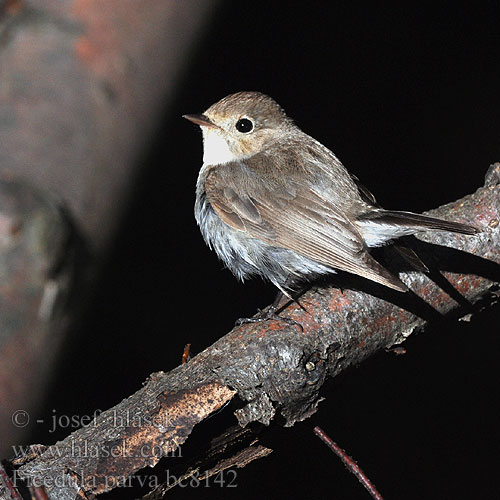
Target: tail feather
(411, 220)
(381, 226)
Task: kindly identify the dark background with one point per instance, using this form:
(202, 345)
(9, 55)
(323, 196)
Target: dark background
(408, 98)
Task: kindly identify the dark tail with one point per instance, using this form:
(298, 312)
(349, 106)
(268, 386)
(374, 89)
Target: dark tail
(410, 219)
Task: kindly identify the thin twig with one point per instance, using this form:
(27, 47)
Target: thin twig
(39, 493)
(5, 479)
(186, 355)
(349, 463)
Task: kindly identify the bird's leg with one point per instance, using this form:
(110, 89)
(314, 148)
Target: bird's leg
(271, 312)
(265, 315)
(276, 302)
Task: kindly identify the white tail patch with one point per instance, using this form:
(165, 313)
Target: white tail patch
(376, 234)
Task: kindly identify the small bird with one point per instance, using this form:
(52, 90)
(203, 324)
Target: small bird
(274, 202)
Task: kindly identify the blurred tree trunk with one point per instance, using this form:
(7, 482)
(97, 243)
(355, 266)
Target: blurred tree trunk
(82, 84)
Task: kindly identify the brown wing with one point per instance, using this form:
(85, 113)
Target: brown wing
(290, 213)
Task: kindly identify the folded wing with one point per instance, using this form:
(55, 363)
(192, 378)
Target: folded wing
(290, 213)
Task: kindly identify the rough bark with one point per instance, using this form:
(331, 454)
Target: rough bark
(274, 367)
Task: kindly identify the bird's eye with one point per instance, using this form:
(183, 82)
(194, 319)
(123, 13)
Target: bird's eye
(244, 125)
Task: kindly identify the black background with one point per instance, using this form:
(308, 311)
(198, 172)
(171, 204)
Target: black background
(408, 98)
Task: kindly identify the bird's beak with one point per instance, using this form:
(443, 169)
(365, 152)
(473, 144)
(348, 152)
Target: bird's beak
(201, 120)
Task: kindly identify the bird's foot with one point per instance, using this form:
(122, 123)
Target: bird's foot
(266, 315)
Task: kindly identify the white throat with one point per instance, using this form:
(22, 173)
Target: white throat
(215, 148)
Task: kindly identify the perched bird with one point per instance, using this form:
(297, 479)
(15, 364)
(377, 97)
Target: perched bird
(274, 202)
